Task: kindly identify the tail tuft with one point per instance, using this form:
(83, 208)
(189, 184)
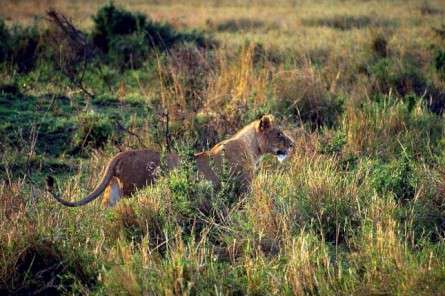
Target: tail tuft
(50, 183)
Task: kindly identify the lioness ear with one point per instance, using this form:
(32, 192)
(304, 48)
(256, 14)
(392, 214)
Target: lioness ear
(266, 122)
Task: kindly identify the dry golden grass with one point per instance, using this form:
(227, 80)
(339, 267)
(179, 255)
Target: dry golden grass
(287, 15)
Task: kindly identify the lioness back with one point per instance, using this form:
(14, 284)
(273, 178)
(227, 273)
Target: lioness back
(136, 168)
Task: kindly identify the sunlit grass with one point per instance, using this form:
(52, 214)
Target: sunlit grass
(357, 209)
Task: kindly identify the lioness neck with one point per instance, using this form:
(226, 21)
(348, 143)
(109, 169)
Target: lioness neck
(249, 136)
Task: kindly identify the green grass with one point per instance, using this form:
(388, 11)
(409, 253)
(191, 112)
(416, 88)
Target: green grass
(358, 209)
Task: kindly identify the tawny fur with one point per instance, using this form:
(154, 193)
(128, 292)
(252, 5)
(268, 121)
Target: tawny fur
(132, 170)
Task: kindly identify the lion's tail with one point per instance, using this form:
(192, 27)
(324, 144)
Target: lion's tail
(109, 172)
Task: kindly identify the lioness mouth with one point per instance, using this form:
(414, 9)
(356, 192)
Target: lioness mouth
(281, 155)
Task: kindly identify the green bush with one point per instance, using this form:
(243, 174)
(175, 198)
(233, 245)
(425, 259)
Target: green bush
(4, 41)
(398, 176)
(19, 46)
(124, 39)
(128, 50)
(334, 144)
(127, 38)
(111, 22)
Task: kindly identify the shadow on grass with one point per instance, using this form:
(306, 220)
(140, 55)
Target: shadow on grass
(41, 269)
(242, 24)
(349, 22)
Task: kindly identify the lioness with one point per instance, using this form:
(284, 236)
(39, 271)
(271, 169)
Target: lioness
(131, 170)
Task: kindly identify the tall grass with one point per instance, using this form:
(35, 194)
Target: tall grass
(357, 209)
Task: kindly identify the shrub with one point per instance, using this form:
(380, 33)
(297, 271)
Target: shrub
(5, 47)
(190, 192)
(110, 22)
(189, 200)
(120, 35)
(127, 38)
(333, 143)
(398, 177)
(19, 46)
(128, 50)
(25, 43)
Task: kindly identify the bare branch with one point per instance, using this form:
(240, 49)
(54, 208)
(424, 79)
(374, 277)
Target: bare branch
(122, 127)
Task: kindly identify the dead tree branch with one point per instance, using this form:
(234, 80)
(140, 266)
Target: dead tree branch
(73, 49)
(123, 128)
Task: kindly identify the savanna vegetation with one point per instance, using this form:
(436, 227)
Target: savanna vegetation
(359, 208)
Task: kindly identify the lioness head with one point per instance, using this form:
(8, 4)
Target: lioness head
(272, 139)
